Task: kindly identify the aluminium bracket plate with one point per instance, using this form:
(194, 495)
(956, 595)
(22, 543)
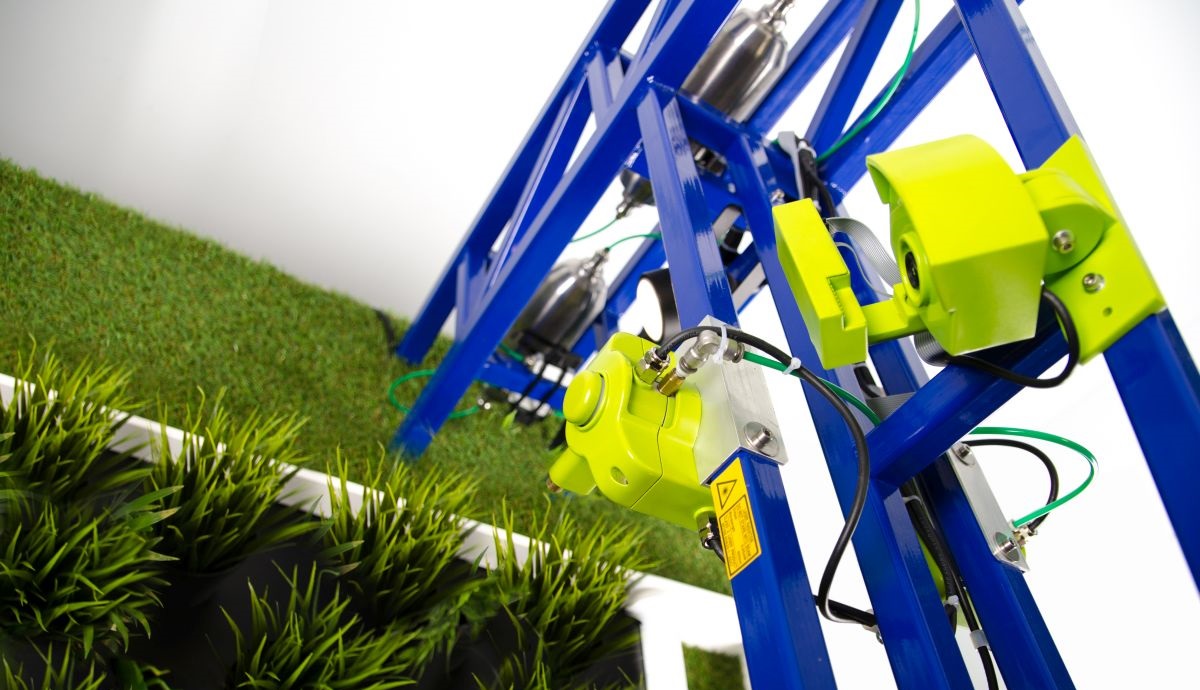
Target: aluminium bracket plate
(737, 414)
(997, 529)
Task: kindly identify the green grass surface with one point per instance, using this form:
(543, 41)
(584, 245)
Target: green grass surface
(710, 671)
(180, 313)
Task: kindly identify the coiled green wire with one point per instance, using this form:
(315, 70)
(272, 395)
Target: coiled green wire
(421, 373)
(1051, 438)
(977, 431)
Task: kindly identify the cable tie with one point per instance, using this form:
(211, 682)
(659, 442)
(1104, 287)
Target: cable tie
(979, 639)
(720, 353)
(792, 367)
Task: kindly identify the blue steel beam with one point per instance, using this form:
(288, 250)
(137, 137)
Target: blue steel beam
(782, 637)
(951, 404)
(1016, 632)
(785, 648)
(1159, 385)
(662, 14)
(598, 82)
(515, 377)
(697, 272)
(686, 34)
(1040, 123)
(616, 21)
(1033, 107)
(939, 57)
(919, 642)
(846, 85)
(805, 57)
(547, 171)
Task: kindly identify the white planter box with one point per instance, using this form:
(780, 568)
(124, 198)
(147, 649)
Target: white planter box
(671, 614)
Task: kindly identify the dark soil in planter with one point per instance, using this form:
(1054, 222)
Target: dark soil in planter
(191, 638)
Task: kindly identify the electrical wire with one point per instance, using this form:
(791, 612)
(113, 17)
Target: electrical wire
(863, 480)
(655, 235)
(813, 184)
(421, 373)
(1029, 519)
(593, 233)
(512, 353)
(838, 390)
(1033, 450)
(1072, 335)
(887, 95)
(1051, 438)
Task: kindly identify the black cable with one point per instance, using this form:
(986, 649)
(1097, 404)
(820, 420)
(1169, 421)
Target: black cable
(1051, 470)
(1072, 336)
(562, 373)
(918, 512)
(866, 382)
(712, 542)
(985, 655)
(923, 521)
(389, 329)
(810, 177)
(536, 376)
(863, 481)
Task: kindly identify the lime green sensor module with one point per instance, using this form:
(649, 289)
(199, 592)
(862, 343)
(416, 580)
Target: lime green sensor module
(973, 242)
(650, 428)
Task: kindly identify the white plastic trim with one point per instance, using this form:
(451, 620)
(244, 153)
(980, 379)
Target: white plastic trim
(671, 613)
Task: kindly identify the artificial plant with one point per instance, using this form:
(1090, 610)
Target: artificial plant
(314, 641)
(398, 546)
(231, 473)
(565, 603)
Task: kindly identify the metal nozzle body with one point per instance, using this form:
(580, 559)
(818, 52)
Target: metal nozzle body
(651, 366)
(707, 346)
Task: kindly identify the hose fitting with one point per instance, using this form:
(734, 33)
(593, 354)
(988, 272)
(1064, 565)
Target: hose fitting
(708, 345)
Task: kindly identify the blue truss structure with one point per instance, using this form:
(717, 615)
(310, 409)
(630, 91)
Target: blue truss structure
(643, 122)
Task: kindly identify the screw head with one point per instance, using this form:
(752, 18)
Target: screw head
(761, 439)
(1093, 282)
(777, 197)
(1063, 241)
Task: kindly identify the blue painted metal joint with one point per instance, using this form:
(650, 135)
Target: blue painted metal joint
(784, 645)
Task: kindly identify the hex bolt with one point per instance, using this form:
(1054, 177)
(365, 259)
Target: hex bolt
(1063, 241)
(761, 439)
(1093, 282)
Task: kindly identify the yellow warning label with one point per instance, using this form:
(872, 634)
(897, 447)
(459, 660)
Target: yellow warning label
(735, 520)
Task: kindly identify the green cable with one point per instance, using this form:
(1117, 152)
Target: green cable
(593, 233)
(422, 373)
(512, 353)
(887, 95)
(655, 235)
(1052, 438)
(841, 392)
(981, 430)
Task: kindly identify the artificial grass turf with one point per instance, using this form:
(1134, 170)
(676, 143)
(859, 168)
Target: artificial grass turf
(708, 671)
(98, 281)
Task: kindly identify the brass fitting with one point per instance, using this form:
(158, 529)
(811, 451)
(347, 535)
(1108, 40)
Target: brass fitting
(651, 366)
(707, 346)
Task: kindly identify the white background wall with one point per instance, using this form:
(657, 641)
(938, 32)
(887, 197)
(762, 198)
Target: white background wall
(352, 143)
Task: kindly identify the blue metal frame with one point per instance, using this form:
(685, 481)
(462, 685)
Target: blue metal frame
(641, 123)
